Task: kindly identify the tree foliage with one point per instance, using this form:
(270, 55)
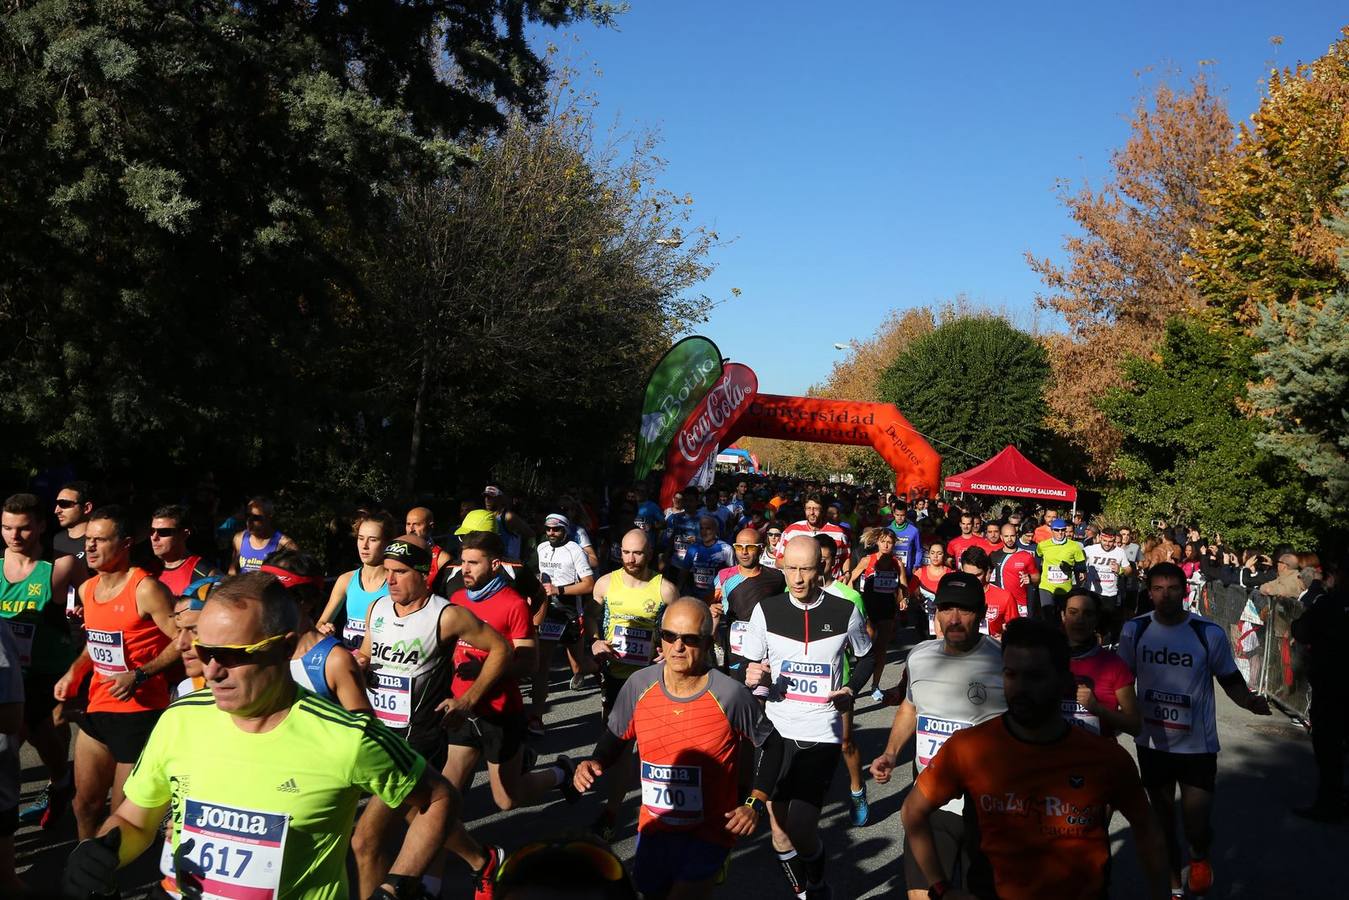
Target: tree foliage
(1269, 242)
(974, 384)
(1304, 392)
(1124, 275)
(1190, 451)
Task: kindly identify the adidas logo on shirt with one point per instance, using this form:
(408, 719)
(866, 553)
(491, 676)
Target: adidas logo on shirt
(288, 786)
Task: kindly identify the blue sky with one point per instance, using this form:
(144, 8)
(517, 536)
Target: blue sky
(892, 155)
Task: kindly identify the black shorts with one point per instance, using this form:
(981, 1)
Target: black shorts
(431, 744)
(39, 698)
(807, 770)
(1160, 769)
(879, 607)
(499, 738)
(957, 842)
(124, 734)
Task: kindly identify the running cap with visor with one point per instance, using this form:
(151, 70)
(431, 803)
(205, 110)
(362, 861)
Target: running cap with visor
(477, 520)
(961, 590)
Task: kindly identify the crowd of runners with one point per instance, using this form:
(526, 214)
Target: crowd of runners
(261, 713)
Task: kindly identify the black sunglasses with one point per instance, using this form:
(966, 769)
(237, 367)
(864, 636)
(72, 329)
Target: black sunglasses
(66, 504)
(690, 640)
(164, 532)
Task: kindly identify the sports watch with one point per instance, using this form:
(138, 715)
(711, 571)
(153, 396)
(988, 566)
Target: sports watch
(938, 889)
(757, 805)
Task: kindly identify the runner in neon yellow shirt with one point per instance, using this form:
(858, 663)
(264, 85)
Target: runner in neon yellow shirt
(262, 778)
(1062, 562)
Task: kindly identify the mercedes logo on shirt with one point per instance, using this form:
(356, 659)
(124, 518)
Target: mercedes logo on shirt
(977, 693)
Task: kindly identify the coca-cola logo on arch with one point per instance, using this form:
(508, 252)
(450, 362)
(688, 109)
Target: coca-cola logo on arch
(736, 387)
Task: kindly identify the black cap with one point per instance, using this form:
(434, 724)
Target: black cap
(962, 590)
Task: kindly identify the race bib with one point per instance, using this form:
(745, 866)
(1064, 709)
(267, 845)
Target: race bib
(1167, 710)
(632, 644)
(739, 629)
(703, 576)
(1056, 575)
(236, 852)
(932, 733)
(1077, 714)
(392, 699)
(550, 630)
(673, 794)
(809, 682)
(353, 633)
(106, 651)
(1108, 578)
(885, 581)
(23, 632)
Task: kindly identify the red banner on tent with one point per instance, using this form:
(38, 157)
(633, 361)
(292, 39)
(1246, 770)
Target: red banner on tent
(700, 434)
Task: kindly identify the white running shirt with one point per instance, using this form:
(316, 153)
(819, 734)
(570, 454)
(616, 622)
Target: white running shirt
(1175, 666)
(1100, 576)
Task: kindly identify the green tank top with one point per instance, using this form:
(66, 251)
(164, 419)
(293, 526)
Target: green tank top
(37, 622)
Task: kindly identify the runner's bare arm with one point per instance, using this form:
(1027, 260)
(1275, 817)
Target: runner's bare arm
(1235, 687)
(287, 543)
(857, 572)
(1129, 717)
(139, 827)
(234, 556)
(344, 677)
(63, 576)
(335, 600)
(916, 814)
(155, 601)
(69, 682)
(668, 592)
(901, 732)
(366, 649)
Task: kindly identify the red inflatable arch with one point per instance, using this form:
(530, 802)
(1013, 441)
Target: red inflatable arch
(879, 425)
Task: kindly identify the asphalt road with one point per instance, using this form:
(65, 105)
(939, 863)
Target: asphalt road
(1261, 850)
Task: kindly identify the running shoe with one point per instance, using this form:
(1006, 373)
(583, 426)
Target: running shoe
(878, 695)
(861, 810)
(578, 682)
(33, 813)
(50, 806)
(536, 725)
(1200, 880)
(894, 696)
(604, 826)
(485, 879)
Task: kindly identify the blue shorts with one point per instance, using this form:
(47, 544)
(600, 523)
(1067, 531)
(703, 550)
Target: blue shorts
(665, 857)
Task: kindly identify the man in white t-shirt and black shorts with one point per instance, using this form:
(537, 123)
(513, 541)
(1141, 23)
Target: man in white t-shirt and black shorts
(1176, 656)
(1107, 568)
(953, 683)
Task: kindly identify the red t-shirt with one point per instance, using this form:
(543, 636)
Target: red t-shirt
(959, 545)
(508, 613)
(1105, 673)
(1000, 609)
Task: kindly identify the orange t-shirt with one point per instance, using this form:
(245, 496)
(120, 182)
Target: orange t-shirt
(120, 639)
(1043, 533)
(1041, 808)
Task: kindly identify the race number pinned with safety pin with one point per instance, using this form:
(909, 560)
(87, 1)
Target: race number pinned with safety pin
(106, 651)
(236, 853)
(809, 682)
(673, 794)
(392, 699)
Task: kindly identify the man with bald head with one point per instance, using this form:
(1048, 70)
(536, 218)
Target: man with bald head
(739, 590)
(621, 621)
(421, 522)
(688, 723)
(797, 642)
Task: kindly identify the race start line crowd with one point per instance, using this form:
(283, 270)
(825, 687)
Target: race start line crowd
(237, 707)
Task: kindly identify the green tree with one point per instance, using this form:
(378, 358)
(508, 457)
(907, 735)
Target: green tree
(1190, 452)
(1303, 397)
(181, 189)
(973, 383)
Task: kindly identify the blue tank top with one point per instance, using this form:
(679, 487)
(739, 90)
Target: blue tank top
(250, 560)
(357, 605)
(308, 670)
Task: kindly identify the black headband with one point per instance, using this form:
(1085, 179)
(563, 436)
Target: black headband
(410, 555)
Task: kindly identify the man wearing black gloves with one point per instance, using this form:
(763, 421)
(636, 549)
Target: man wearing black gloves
(688, 720)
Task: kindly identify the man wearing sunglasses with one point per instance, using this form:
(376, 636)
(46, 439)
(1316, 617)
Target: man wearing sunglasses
(259, 539)
(74, 506)
(261, 777)
(798, 641)
(168, 540)
(621, 622)
(688, 721)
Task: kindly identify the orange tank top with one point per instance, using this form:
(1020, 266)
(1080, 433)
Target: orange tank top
(120, 639)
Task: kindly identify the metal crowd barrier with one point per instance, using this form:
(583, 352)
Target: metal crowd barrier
(1260, 630)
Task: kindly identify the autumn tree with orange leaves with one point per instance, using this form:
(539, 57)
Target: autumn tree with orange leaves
(1124, 276)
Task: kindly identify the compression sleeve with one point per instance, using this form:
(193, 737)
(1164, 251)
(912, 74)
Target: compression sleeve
(768, 762)
(609, 748)
(861, 671)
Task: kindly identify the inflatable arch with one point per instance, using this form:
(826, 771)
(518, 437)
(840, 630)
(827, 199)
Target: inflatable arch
(878, 425)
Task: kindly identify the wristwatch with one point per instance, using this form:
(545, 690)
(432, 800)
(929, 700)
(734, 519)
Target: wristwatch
(757, 805)
(140, 676)
(938, 889)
